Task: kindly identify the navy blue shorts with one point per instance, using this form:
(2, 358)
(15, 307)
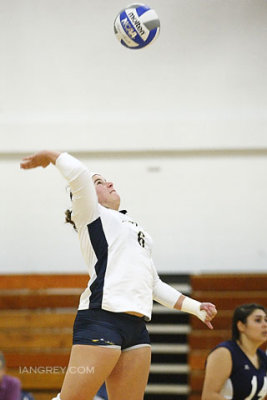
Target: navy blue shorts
(114, 330)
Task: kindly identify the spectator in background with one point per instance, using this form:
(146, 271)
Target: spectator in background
(237, 369)
(10, 387)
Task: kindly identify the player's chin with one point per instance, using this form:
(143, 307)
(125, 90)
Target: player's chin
(116, 200)
(116, 196)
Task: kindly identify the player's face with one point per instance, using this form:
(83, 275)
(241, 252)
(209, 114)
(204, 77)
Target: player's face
(107, 195)
(256, 326)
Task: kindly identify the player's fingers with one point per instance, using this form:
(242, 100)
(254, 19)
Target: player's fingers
(27, 158)
(23, 165)
(209, 325)
(213, 311)
(27, 165)
(210, 310)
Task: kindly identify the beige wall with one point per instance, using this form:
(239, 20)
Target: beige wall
(180, 127)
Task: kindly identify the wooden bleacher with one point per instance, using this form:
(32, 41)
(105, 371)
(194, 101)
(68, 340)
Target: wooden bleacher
(226, 292)
(36, 319)
(37, 314)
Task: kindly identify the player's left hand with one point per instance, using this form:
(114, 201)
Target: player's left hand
(211, 312)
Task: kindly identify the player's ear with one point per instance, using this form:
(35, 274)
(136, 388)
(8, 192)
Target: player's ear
(240, 326)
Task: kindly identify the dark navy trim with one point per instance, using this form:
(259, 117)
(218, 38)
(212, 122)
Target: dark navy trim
(100, 246)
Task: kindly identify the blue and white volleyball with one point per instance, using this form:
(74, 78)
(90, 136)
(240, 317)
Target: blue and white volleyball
(137, 26)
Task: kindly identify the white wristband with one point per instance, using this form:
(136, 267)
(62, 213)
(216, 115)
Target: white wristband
(193, 307)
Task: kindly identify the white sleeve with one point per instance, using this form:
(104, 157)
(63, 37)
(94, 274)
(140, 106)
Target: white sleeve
(164, 293)
(84, 198)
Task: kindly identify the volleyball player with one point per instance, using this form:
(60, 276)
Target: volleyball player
(236, 369)
(110, 339)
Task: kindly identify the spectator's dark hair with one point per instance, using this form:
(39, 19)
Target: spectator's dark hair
(241, 313)
(68, 219)
(2, 361)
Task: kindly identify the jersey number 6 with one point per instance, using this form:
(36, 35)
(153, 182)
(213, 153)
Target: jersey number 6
(141, 238)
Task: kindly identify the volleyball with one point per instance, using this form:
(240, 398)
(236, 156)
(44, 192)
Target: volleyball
(137, 26)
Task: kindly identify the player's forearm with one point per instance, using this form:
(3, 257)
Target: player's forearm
(164, 293)
(190, 306)
(84, 199)
(179, 302)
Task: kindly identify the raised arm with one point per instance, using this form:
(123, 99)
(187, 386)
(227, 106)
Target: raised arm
(84, 198)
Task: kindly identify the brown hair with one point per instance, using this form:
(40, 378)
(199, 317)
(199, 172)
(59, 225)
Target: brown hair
(68, 219)
(2, 361)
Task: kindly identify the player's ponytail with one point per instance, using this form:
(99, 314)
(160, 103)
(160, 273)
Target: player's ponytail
(68, 219)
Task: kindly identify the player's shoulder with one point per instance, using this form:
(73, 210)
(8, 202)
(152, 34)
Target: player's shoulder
(227, 344)
(222, 356)
(222, 351)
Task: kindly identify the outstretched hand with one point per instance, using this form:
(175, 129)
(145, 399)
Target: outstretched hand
(211, 312)
(41, 159)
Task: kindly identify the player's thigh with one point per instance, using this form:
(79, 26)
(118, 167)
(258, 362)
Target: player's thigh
(130, 375)
(88, 368)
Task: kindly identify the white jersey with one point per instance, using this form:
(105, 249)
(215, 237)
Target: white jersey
(116, 249)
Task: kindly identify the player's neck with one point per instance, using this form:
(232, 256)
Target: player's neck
(248, 347)
(250, 350)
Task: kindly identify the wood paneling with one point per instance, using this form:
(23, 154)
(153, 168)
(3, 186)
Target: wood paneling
(43, 281)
